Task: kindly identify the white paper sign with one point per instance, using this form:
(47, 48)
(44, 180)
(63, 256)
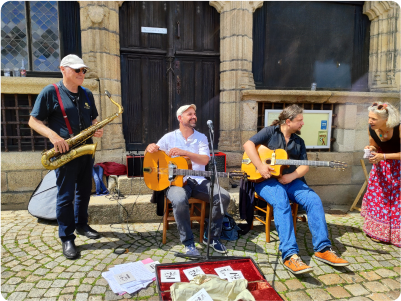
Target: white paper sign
(191, 273)
(154, 30)
(124, 277)
(151, 266)
(234, 275)
(202, 295)
(170, 276)
(222, 272)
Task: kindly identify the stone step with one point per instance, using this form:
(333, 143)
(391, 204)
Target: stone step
(110, 209)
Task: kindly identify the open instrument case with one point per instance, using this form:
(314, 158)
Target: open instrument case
(257, 284)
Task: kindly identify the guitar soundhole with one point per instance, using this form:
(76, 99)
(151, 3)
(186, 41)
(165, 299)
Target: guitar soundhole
(268, 161)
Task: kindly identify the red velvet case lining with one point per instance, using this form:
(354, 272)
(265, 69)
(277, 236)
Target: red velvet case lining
(261, 289)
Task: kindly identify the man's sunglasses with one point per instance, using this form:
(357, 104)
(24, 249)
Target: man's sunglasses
(79, 70)
(380, 107)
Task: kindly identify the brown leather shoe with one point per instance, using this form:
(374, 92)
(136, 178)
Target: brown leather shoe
(296, 266)
(330, 257)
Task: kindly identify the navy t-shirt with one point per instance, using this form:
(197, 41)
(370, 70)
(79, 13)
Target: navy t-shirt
(273, 138)
(47, 108)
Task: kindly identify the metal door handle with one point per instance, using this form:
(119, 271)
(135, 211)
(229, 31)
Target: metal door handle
(178, 85)
(178, 29)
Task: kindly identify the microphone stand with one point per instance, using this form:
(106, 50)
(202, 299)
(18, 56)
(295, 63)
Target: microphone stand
(213, 180)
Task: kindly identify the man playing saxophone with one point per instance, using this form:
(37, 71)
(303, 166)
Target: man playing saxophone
(76, 112)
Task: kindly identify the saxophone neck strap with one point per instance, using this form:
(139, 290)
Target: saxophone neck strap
(60, 102)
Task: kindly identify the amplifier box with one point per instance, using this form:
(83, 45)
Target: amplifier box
(221, 162)
(134, 166)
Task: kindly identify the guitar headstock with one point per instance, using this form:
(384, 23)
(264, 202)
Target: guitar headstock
(338, 165)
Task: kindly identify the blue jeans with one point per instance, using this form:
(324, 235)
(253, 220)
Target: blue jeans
(179, 196)
(277, 194)
(74, 183)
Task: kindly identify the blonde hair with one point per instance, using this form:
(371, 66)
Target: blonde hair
(288, 113)
(387, 111)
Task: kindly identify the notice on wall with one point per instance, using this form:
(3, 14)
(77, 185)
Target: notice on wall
(158, 30)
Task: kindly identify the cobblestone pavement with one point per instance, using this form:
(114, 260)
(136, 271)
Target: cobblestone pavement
(33, 267)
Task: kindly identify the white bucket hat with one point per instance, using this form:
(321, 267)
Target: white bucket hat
(73, 61)
(184, 108)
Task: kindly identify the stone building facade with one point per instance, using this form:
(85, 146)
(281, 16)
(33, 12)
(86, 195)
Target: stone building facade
(22, 171)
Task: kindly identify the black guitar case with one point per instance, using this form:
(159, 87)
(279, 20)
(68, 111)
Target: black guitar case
(43, 200)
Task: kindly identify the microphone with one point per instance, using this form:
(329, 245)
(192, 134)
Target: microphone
(210, 125)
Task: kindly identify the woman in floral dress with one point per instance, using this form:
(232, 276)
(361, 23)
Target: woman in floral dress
(381, 206)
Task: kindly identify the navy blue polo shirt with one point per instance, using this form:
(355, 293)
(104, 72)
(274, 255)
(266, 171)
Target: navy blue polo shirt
(47, 108)
(273, 138)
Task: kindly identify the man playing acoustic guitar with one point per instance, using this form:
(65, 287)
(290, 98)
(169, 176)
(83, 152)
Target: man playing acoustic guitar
(186, 141)
(291, 185)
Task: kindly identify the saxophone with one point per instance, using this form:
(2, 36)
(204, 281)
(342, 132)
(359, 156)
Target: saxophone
(53, 160)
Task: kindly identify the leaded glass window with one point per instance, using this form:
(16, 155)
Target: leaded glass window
(34, 38)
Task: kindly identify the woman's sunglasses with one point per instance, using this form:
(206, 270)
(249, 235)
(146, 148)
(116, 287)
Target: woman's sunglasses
(79, 70)
(380, 107)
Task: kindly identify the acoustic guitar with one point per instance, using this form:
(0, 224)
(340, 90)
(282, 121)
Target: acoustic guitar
(160, 171)
(278, 159)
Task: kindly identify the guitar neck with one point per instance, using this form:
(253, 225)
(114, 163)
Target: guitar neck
(303, 162)
(199, 173)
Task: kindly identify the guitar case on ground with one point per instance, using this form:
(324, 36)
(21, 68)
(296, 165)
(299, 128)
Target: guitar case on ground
(43, 200)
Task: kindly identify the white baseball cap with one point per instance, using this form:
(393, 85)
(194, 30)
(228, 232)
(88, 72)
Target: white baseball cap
(73, 61)
(184, 108)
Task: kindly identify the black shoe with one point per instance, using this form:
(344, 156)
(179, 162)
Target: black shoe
(70, 250)
(88, 232)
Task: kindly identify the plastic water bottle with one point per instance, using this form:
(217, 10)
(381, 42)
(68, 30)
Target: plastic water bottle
(23, 70)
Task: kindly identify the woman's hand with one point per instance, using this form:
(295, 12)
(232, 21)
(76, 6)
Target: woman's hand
(377, 157)
(371, 147)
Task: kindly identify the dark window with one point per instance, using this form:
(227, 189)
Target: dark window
(39, 33)
(300, 43)
(16, 135)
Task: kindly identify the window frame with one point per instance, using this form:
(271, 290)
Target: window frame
(69, 40)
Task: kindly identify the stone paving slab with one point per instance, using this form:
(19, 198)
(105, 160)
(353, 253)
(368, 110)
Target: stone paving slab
(33, 267)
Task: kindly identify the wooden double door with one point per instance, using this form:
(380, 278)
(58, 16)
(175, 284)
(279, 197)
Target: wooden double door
(161, 72)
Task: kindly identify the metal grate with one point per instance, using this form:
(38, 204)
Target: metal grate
(306, 106)
(16, 135)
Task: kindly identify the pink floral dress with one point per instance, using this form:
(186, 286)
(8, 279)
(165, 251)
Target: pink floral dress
(381, 206)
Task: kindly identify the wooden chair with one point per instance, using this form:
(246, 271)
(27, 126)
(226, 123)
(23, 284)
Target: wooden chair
(268, 210)
(192, 204)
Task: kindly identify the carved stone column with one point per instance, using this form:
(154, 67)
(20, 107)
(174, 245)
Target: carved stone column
(236, 46)
(101, 52)
(385, 45)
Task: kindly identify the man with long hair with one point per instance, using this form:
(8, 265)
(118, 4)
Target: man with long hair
(282, 134)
